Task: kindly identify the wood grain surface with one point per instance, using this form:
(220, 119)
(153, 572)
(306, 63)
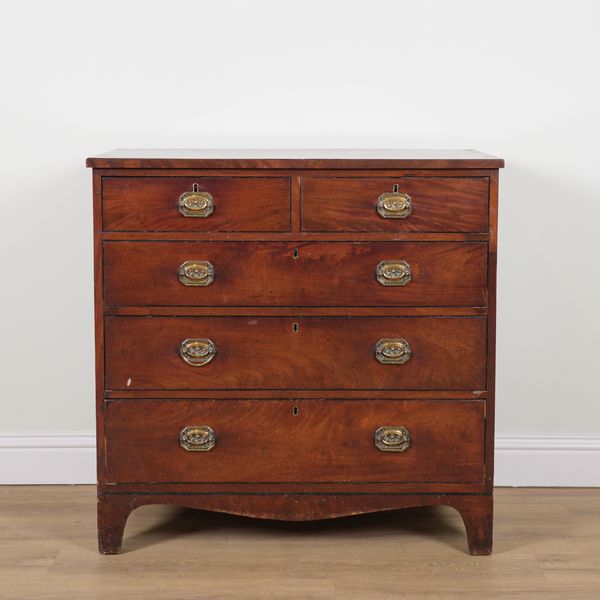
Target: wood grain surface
(546, 547)
(366, 158)
(295, 441)
(240, 203)
(475, 509)
(439, 204)
(266, 352)
(295, 274)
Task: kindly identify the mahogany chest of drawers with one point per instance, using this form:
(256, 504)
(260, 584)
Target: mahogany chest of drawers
(295, 335)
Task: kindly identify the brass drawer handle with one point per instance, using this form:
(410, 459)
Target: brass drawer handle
(393, 272)
(196, 273)
(197, 438)
(195, 204)
(392, 439)
(197, 352)
(392, 351)
(394, 205)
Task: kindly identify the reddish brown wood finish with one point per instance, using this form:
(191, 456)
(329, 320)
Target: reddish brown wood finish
(476, 510)
(274, 209)
(477, 513)
(299, 236)
(295, 311)
(347, 487)
(491, 337)
(265, 352)
(240, 203)
(113, 511)
(295, 274)
(185, 158)
(295, 441)
(264, 394)
(439, 204)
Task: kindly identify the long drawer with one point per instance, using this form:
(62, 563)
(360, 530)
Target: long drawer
(435, 441)
(403, 204)
(196, 204)
(404, 353)
(295, 274)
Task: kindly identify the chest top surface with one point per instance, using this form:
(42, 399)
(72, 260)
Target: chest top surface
(368, 158)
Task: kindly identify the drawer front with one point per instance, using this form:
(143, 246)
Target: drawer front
(143, 353)
(440, 441)
(221, 204)
(301, 274)
(436, 204)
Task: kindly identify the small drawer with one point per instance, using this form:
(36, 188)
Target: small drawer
(295, 274)
(387, 353)
(322, 441)
(403, 204)
(243, 204)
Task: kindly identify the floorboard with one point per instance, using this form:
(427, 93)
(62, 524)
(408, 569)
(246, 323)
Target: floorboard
(546, 546)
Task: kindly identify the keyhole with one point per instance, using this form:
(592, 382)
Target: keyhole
(295, 253)
(195, 187)
(295, 327)
(395, 188)
(295, 410)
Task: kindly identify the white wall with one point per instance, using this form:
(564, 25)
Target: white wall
(517, 79)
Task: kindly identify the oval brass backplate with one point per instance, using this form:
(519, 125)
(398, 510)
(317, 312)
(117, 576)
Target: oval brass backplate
(392, 438)
(393, 272)
(195, 204)
(392, 351)
(197, 438)
(197, 352)
(196, 273)
(394, 205)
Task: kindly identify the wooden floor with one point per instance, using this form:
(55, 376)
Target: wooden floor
(546, 547)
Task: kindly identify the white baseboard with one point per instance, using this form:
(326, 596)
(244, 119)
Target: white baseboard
(547, 461)
(520, 460)
(38, 458)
